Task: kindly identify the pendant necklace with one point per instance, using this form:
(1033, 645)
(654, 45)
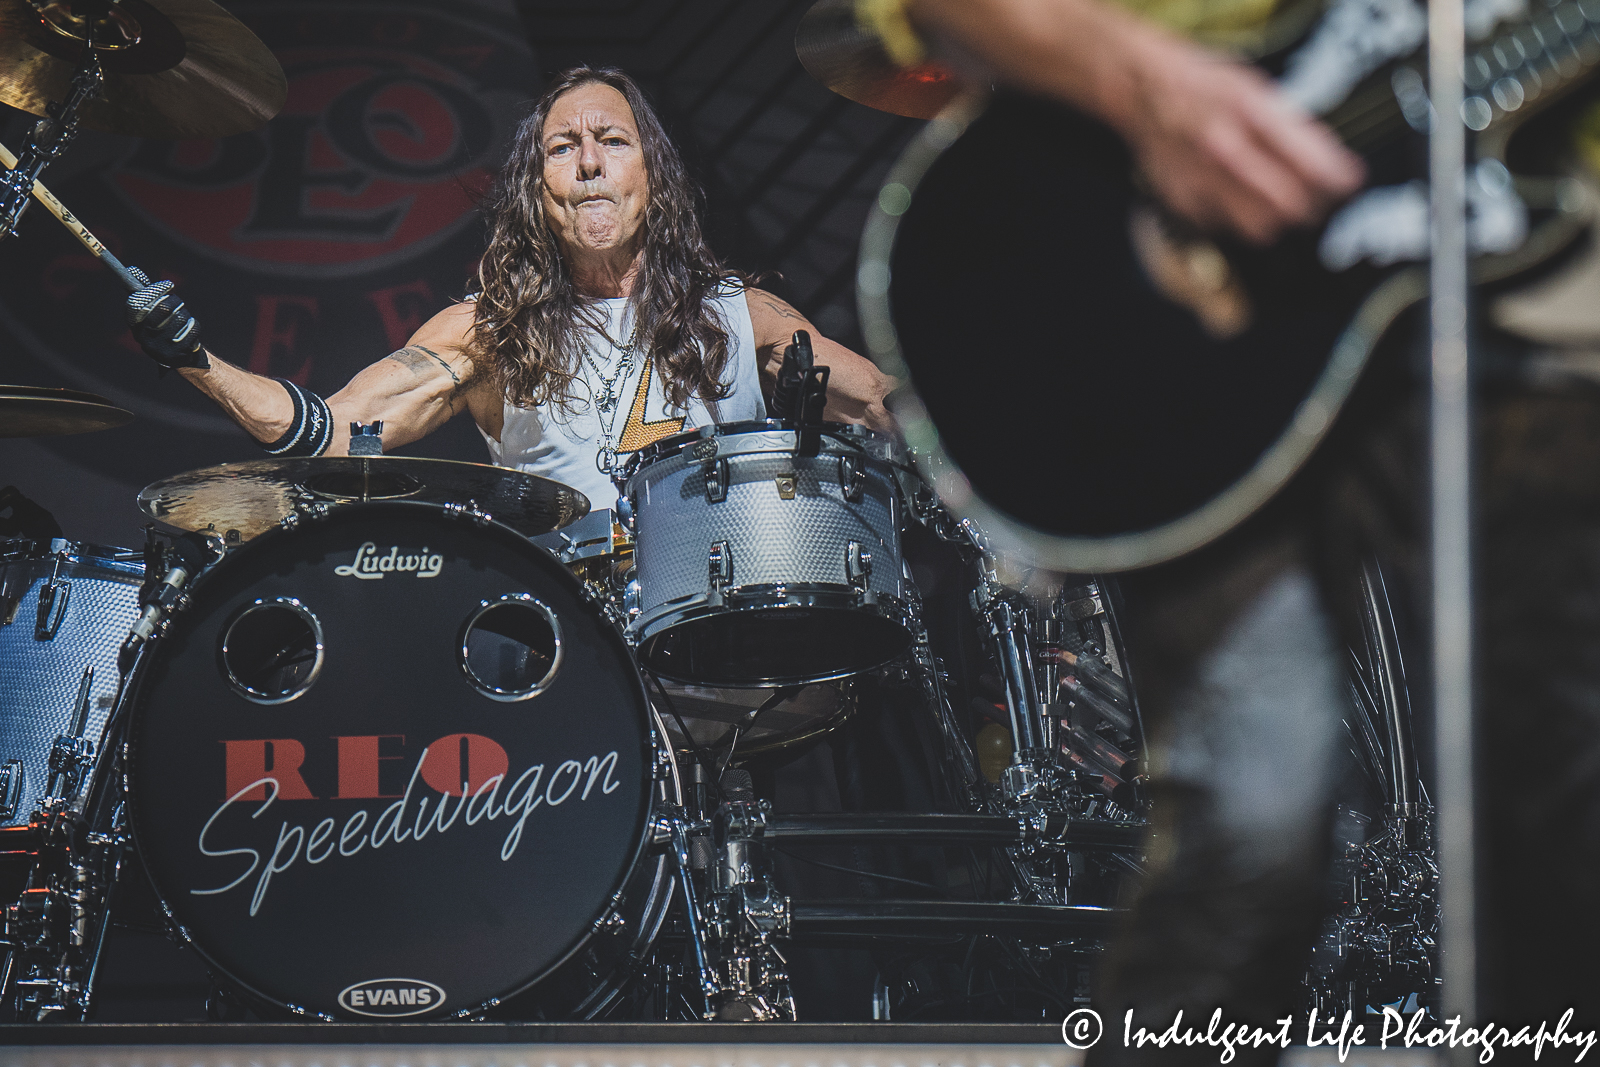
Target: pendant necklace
(610, 395)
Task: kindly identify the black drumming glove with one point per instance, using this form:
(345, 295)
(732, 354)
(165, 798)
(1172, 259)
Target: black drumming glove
(163, 326)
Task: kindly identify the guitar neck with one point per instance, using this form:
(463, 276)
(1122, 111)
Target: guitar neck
(1521, 69)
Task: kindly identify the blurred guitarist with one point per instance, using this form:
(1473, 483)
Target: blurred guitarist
(1237, 655)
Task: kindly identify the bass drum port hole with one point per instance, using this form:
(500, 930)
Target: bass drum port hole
(272, 651)
(511, 648)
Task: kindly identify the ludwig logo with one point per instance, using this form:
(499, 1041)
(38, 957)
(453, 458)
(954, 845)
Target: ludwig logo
(391, 997)
(368, 564)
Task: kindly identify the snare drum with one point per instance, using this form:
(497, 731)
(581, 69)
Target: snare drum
(758, 566)
(63, 608)
(393, 764)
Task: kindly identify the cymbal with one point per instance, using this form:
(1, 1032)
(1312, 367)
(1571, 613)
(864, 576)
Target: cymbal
(28, 411)
(837, 52)
(175, 68)
(244, 500)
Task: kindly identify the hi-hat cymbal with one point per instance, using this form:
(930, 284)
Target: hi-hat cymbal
(173, 68)
(243, 500)
(837, 52)
(27, 411)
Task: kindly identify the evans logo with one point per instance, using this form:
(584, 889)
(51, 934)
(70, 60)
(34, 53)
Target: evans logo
(391, 997)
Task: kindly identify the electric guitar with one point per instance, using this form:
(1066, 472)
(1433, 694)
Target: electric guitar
(1101, 389)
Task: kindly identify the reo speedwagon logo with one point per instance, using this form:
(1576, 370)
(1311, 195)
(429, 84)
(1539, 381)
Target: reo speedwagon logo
(465, 777)
(368, 564)
(391, 997)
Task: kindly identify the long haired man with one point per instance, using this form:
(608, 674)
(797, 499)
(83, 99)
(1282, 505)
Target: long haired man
(602, 321)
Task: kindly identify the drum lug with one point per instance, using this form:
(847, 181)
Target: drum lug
(469, 512)
(720, 566)
(852, 478)
(10, 788)
(858, 570)
(716, 474)
(53, 597)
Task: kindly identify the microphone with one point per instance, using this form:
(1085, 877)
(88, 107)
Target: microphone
(797, 361)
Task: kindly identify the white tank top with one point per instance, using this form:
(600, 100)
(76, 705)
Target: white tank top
(563, 444)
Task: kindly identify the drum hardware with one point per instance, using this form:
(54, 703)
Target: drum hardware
(366, 439)
(48, 137)
(716, 479)
(852, 478)
(678, 829)
(719, 562)
(54, 932)
(153, 54)
(1381, 945)
(134, 68)
(53, 595)
(72, 753)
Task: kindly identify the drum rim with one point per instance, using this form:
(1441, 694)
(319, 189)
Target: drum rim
(138, 708)
(128, 561)
(669, 447)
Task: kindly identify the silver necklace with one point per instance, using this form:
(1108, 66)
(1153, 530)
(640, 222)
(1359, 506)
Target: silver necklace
(610, 397)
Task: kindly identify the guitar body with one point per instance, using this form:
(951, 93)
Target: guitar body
(1097, 389)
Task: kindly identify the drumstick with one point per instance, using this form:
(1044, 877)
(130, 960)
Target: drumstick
(70, 221)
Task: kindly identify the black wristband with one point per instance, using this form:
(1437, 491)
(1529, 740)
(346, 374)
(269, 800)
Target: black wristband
(311, 431)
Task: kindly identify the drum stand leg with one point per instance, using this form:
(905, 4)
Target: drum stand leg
(743, 975)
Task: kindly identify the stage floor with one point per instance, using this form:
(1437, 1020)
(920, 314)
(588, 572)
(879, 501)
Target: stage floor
(580, 1045)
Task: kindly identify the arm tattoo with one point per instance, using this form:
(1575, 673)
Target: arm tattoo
(418, 359)
(784, 310)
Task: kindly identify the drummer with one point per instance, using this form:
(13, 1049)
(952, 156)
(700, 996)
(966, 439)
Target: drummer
(602, 321)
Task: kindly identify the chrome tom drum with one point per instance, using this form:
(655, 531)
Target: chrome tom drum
(64, 607)
(758, 566)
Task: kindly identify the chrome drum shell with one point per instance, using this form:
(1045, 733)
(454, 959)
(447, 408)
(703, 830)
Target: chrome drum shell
(91, 600)
(756, 566)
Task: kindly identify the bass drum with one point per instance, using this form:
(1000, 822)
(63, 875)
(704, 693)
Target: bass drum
(392, 764)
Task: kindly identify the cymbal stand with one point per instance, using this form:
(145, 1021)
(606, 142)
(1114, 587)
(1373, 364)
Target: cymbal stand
(48, 138)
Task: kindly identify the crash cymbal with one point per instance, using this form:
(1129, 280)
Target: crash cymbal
(837, 52)
(173, 68)
(243, 500)
(27, 411)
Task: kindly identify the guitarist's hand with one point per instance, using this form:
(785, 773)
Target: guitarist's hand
(1216, 141)
(1220, 146)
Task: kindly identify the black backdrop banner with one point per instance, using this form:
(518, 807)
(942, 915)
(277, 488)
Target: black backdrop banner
(307, 249)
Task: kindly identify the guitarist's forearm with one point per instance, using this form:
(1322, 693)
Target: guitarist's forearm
(1087, 53)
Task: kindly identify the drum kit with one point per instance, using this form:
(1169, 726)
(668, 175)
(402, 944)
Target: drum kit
(398, 738)
(416, 738)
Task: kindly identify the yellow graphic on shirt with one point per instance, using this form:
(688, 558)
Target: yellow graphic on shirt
(640, 430)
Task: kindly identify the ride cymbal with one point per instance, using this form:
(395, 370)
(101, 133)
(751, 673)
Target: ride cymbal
(173, 68)
(836, 51)
(29, 411)
(251, 498)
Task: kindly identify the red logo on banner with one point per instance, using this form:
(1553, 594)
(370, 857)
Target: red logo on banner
(375, 152)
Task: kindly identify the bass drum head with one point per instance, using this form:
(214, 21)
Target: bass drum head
(391, 764)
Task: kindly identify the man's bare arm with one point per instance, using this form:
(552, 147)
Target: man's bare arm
(1215, 138)
(413, 391)
(856, 388)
